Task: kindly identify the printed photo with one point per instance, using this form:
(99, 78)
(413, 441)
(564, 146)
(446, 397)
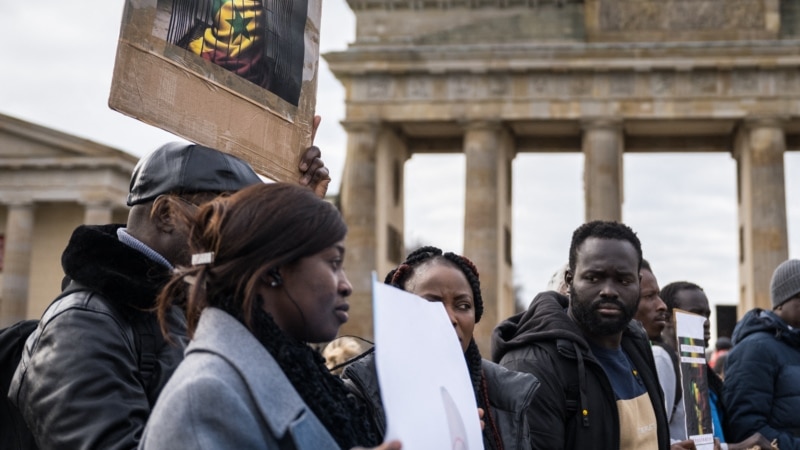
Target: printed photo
(261, 41)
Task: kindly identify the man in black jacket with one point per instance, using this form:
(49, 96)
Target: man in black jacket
(599, 387)
(91, 372)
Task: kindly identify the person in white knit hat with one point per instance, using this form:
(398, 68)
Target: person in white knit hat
(762, 373)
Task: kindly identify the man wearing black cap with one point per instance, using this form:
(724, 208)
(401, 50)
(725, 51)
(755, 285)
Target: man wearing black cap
(91, 372)
(762, 374)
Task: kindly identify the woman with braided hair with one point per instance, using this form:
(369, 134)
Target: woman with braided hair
(503, 395)
(266, 279)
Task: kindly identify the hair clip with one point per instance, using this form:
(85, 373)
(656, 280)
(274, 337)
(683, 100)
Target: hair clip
(202, 258)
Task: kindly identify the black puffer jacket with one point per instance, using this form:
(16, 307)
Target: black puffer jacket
(519, 343)
(78, 384)
(762, 380)
(510, 393)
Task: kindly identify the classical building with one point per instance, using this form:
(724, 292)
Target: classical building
(50, 183)
(492, 78)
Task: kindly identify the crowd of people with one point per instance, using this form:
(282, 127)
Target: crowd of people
(191, 327)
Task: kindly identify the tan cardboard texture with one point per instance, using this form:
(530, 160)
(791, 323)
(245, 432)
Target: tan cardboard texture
(240, 79)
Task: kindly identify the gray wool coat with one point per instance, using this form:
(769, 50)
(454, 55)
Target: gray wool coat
(230, 393)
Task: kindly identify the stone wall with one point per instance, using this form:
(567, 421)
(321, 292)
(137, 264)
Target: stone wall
(460, 24)
(682, 20)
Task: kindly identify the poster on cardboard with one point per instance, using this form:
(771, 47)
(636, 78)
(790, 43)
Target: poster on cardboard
(689, 330)
(236, 75)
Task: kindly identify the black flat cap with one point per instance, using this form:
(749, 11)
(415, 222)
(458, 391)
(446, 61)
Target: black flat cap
(181, 168)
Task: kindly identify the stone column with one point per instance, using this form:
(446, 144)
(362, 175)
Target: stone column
(392, 154)
(97, 214)
(359, 208)
(602, 172)
(758, 150)
(487, 221)
(17, 263)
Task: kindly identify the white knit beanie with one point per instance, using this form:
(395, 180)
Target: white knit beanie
(785, 282)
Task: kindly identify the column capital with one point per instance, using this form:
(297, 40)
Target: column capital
(19, 202)
(765, 121)
(481, 124)
(98, 203)
(602, 123)
(361, 126)
(754, 128)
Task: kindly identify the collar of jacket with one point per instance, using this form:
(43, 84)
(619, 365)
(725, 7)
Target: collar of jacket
(221, 334)
(95, 258)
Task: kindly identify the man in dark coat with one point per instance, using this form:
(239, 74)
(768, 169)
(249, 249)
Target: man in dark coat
(762, 373)
(599, 387)
(91, 372)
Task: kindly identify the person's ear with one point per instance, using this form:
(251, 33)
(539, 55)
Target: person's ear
(161, 214)
(275, 279)
(568, 276)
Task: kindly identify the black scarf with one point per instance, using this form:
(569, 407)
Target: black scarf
(342, 415)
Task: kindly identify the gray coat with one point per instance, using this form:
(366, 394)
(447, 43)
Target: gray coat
(230, 393)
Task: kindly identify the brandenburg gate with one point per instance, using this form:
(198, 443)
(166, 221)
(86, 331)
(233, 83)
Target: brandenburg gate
(493, 78)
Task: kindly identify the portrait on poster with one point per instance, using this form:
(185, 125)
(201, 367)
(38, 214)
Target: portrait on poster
(260, 41)
(236, 75)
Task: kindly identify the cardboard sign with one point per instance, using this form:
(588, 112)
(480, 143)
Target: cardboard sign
(691, 349)
(236, 75)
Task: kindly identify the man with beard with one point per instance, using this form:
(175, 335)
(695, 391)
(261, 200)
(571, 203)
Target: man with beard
(652, 313)
(598, 380)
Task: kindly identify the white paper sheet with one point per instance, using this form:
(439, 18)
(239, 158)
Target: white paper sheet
(425, 385)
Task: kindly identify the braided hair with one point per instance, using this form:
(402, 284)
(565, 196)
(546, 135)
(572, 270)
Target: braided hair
(399, 277)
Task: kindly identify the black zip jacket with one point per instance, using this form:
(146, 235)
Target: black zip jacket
(78, 384)
(575, 407)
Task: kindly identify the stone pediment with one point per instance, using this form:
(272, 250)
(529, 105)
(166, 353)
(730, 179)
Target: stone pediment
(20, 139)
(39, 164)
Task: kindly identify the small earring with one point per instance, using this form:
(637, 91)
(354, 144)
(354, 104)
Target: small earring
(275, 283)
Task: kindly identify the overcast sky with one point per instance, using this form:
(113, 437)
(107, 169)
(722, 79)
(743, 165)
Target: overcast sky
(57, 65)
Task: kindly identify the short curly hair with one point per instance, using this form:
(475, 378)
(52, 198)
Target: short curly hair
(603, 230)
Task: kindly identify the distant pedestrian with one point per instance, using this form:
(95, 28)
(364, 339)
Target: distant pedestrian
(722, 346)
